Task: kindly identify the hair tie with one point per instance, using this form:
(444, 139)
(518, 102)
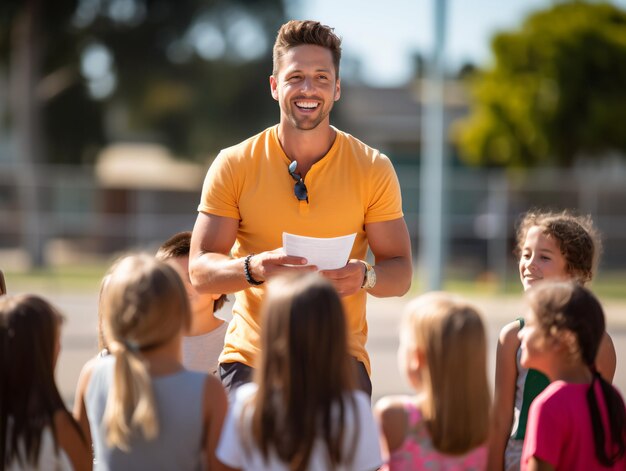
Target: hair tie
(131, 346)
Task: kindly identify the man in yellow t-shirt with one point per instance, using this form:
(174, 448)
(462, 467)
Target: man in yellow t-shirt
(305, 177)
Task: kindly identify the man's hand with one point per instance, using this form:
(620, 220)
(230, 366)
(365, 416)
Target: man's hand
(348, 279)
(266, 265)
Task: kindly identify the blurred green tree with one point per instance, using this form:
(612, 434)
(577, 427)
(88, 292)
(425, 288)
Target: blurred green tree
(191, 74)
(557, 90)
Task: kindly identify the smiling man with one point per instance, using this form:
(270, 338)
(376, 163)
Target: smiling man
(341, 187)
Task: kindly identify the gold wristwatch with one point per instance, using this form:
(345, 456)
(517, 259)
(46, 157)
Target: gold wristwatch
(369, 279)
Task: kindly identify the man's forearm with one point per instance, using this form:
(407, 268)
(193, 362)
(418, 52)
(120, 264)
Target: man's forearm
(393, 277)
(217, 273)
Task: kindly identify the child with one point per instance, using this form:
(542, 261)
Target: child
(36, 430)
(303, 412)
(443, 354)
(550, 246)
(3, 286)
(145, 411)
(204, 342)
(579, 420)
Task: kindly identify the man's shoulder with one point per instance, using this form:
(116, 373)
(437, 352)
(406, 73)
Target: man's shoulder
(356, 144)
(250, 143)
(362, 153)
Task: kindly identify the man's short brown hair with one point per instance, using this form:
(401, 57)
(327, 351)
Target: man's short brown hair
(179, 246)
(298, 32)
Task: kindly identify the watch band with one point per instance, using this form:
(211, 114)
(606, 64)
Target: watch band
(369, 278)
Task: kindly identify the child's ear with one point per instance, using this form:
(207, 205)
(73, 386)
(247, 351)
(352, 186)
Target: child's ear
(216, 296)
(417, 360)
(566, 340)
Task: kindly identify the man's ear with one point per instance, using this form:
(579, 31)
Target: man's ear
(337, 89)
(274, 87)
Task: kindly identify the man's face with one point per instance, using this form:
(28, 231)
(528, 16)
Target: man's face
(305, 86)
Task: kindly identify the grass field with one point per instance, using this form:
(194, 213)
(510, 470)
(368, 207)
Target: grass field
(86, 278)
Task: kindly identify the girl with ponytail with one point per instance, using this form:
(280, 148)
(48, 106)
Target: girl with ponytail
(579, 420)
(145, 411)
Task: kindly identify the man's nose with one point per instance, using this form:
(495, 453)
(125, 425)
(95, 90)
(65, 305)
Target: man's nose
(307, 85)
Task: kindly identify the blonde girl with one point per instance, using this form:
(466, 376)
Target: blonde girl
(303, 411)
(36, 430)
(144, 410)
(550, 246)
(579, 420)
(443, 355)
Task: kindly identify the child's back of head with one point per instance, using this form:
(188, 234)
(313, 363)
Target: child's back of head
(444, 338)
(304, 362)
(571, 325)
(144, 307)
(30, 343)
(177, 248)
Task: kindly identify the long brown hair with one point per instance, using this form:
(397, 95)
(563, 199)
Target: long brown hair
(29, 330)
(304, 373)
(568, 307)
(144, 305)
(450, 334)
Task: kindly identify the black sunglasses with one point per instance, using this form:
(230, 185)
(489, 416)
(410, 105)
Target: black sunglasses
(299, 188)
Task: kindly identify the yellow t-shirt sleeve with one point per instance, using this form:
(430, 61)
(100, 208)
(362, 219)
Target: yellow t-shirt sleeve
(385, 203)
(219, 191)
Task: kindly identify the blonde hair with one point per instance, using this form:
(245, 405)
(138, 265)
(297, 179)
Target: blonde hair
(451, 336)
(144, 306)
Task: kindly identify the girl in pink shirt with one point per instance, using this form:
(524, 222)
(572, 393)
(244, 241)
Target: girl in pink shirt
(579, 421)
(443, 354)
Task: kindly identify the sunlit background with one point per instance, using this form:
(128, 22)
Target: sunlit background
(111, 112)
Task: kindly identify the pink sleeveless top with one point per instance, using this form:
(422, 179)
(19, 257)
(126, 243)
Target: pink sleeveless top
(418, 452)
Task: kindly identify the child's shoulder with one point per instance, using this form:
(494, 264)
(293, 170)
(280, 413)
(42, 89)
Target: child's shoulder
(393, 417)
(508, 333)
(393, 410)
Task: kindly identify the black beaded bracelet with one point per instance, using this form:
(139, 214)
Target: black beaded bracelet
(246, 271)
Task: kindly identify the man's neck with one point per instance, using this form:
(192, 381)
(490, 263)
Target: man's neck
(307, 147)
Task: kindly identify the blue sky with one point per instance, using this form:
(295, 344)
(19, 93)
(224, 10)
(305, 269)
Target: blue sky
(384, 33)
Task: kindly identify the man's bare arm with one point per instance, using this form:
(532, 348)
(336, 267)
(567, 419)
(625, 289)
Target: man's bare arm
(213, 270)
(391, 246)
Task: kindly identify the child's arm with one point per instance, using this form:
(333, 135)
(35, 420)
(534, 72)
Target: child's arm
(606, 359)
(215, 406)
(79, 411)
(535, 464)
(71, 441)
(504, 395)
(393, 423)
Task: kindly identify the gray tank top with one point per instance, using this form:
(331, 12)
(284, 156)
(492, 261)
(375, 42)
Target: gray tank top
(179, 401)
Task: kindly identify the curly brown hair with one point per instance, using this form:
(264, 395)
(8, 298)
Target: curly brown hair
(576, 236)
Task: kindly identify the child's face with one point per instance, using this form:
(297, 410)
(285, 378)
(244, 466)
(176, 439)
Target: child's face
(541, 259)
(200, 302)
(532, 341)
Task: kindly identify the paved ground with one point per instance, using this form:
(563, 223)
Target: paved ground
(80, 342)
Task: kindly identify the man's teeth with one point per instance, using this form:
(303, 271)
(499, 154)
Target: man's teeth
(306, 104)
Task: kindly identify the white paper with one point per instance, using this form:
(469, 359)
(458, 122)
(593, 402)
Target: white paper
(326, 253)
